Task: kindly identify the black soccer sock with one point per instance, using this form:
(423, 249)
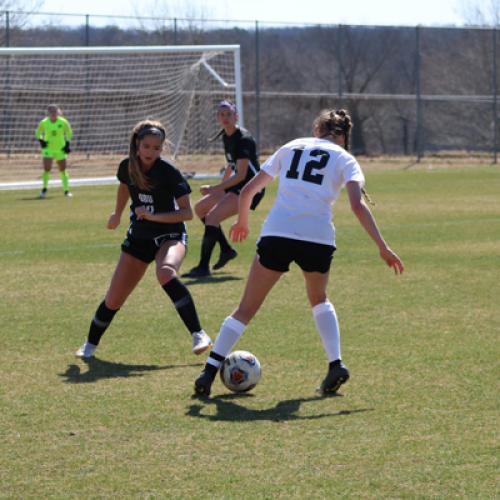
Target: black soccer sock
(221, 239)
(214, 362)
(210, 238)
(184, 304)
(102, 318)
(224, 244)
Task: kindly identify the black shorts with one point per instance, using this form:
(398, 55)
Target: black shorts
(256, 199)
(276, 253)
(145, 249)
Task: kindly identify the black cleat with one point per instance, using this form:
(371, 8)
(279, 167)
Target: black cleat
(203, 384)
(224, 258)
(337, 375)
(197, 272)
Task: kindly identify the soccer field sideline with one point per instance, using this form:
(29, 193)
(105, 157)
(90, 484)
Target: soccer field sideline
(89, 181)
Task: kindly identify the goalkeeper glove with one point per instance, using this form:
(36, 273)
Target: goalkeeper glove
(43, 143)
(66, 147)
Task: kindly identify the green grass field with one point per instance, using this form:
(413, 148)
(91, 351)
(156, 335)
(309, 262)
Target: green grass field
(418, 419)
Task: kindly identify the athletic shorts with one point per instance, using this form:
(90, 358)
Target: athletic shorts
(57, 155)
(256, 199)
(276, 253)
(146, 249)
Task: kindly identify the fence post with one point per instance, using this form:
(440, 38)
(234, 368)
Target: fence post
(7, 28)
(87, 30)
(418, 97)
(175, 31)
(257, 84)
(339, 64)
(494, 82)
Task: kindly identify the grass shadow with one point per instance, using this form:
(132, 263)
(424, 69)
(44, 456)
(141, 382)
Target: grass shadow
(33, 198)
(100, 369)
(230, 411)
(210, 279)
(411, 165)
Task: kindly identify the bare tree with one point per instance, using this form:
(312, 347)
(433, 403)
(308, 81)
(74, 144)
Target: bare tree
(189, 17)
(19, 10)
(14, 14)
(481, 13)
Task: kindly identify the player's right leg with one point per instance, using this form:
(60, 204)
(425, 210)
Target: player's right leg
(128, 273)
(259, 283)
(47, 166)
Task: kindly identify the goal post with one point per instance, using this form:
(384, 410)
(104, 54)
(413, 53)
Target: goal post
(105, 91)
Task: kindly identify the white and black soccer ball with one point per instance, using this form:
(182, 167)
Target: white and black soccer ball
(240, 371)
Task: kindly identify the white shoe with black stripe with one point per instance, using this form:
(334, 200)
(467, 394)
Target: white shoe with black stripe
(86, 351)
(201, 342)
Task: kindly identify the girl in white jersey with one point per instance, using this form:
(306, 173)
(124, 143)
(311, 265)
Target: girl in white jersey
(299, 228)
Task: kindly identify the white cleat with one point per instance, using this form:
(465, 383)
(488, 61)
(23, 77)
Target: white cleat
(201, 342)
(86, 351)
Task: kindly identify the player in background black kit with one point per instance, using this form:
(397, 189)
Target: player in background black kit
(220, 201)
(160, 205)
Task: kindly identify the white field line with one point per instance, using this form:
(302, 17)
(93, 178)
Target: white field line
(90, 181)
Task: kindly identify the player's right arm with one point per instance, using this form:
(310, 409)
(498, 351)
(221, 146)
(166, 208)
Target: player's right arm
(122, 196)
(239, 230)
(39, 132)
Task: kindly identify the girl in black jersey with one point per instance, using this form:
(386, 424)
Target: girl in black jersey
(160, 205)
(220, 201)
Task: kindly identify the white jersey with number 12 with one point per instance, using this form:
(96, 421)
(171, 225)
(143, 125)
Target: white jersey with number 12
(311, 172)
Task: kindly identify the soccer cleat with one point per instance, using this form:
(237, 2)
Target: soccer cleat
(42, 194)
(197, 272)
(203, 384)
(224, 258)
(201, 342)
(337, 375)
(68, 194)
(86, 351)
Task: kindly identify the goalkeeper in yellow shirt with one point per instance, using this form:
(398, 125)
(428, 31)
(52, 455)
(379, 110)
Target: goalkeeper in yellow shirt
(54, 135)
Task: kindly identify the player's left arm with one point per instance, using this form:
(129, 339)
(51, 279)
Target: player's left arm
(183, 213)
(367, 220)
(68, 131)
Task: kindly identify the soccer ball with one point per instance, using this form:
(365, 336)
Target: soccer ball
(240, 371)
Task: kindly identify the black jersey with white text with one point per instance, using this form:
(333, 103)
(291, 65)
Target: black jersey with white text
(167, 184)
(241, 145)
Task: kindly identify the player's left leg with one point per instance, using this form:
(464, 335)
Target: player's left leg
(225, 208)
(61, 163)
(259, 283)
(168, 261)
(327, 325)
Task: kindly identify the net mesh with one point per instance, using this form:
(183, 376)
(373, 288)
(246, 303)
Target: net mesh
(103, 95)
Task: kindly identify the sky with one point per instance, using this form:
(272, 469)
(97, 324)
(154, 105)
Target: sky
(371, 12)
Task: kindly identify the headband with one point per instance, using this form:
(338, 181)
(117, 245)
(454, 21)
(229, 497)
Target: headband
(151, 131)
(227, 104)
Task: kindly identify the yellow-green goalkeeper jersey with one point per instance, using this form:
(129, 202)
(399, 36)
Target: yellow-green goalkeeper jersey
(54, 133)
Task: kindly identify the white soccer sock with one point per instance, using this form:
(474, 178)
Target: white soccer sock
(328, 328)
(230, 332)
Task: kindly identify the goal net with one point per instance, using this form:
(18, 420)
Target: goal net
(105, 91)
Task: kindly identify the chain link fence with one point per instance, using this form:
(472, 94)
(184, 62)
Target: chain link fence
(412, 91)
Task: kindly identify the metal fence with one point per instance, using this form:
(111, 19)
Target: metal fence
(410, 90)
